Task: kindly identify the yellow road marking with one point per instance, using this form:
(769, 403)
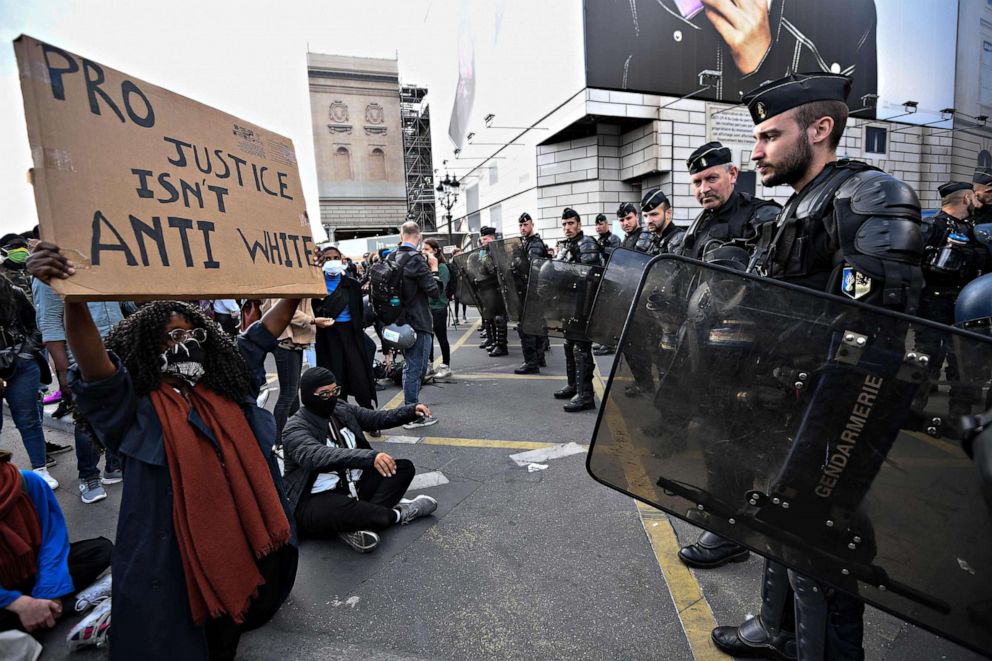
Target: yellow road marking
(487, 443)
(938, 443)
(694, 611)
(398, 397)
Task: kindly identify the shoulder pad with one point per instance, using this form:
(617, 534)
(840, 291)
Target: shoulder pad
(877, 193)
(643, 241)
(818, 198)
(766, 213)
(675, 240)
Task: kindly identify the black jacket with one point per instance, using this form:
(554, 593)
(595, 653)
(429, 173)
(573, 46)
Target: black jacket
(419, 284)
(307, 454)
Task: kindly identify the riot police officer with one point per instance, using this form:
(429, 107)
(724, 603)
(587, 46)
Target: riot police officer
(982, 186)
(952, 257)
(533, 346)
(729, 218)
(607, 240)
(720, 234)
(635, 236)
(577, 249)
(665, 236)
(495, 327)
(870, 251)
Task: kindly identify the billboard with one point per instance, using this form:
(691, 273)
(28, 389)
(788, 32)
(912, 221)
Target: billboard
(662, 47)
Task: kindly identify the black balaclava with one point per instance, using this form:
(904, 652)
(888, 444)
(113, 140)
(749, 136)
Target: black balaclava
(314, 378)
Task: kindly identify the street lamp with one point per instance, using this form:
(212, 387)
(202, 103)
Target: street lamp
(447, 191)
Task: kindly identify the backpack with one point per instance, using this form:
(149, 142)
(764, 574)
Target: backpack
(452, 286)
(386, 287)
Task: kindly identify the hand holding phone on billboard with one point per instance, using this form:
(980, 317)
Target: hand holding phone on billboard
(744, 26)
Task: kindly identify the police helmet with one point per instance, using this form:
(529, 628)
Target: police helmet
(973, 310)
(397, 336)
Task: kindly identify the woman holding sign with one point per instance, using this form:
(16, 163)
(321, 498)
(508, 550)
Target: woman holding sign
(206, 546)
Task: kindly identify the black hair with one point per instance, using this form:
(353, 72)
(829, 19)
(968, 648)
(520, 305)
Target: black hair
(138, 341)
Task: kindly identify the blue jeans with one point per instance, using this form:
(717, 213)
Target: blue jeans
(22, 397)
(88, 456)
(415, 366)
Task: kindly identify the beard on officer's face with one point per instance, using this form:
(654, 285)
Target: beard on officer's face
(791, 166)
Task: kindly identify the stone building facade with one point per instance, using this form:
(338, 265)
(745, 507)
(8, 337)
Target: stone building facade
(358, 142)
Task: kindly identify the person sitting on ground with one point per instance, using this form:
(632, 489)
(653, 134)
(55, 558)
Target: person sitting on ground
(205, 544)
(38, 565)
(328, 467)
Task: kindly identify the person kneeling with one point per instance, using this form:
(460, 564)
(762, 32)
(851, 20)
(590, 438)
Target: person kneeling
(328, 472)
(38, 565)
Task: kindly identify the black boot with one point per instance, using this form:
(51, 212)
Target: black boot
(498, 328)
(712, 550)
(568, 392)
(770, 634)
(581, 402)
(527, 369)
(498, 350)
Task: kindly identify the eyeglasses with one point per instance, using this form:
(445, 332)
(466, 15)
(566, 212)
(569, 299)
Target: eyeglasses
(328, 394)
(179, 335)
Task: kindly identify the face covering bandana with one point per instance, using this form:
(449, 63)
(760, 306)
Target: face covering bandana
(334, 267)
(16, 257)
(184, 360)
(322, 407)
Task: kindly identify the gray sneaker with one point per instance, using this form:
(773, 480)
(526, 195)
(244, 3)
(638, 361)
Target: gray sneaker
(362, 541)
(90, 491)
(414, 509)
(112, 477)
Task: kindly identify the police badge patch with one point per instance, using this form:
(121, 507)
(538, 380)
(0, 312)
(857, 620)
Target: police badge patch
(854, 284)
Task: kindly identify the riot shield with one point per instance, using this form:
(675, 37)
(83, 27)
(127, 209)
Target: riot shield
(464, 290)
(817, 431)
(478, 271)
(615, 295)
(512, 269)
(559, 297)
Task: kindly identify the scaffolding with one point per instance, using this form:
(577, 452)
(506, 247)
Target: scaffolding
(416, 121)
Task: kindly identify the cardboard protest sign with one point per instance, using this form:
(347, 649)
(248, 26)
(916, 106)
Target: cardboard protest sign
(154, 195)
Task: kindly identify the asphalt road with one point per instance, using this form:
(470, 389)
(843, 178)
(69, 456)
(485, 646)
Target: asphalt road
(516, 563)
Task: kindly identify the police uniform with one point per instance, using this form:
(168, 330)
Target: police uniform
(734, 222)
(668, 241)
(608, 241)
(580, 249)
(495, 326)
(532, 346)
(639, 239)
(855, 231)
(723, 236)
(952, 257)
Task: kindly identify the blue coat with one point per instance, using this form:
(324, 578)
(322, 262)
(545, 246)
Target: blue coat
(151, 614)
(52, 580)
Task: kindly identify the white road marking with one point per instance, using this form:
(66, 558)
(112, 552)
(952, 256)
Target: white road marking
(410, 440)
(427, 480)
(543, 454)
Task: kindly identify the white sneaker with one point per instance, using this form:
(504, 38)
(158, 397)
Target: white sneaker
(49, 480)
(422, 421)
(443, 372)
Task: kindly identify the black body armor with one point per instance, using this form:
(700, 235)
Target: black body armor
(854, 230)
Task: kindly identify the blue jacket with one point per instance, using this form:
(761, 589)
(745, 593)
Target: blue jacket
(52, 579)
(152, 619)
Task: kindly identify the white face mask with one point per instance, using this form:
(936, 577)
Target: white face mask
(333, 267)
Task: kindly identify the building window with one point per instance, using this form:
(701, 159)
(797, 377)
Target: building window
(341, 164)
(377, 164)
(984, 159)
(493, 174)
(875, 139)
(496, 217)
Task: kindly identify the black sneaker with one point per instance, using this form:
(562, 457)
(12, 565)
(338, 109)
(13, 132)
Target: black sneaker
(61, 410)
(55, 448)
(50, 461)
(414, 509)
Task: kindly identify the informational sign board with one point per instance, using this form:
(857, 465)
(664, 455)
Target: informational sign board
(155, 196)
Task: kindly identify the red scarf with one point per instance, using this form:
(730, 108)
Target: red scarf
(20, 532)
(225, 506)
